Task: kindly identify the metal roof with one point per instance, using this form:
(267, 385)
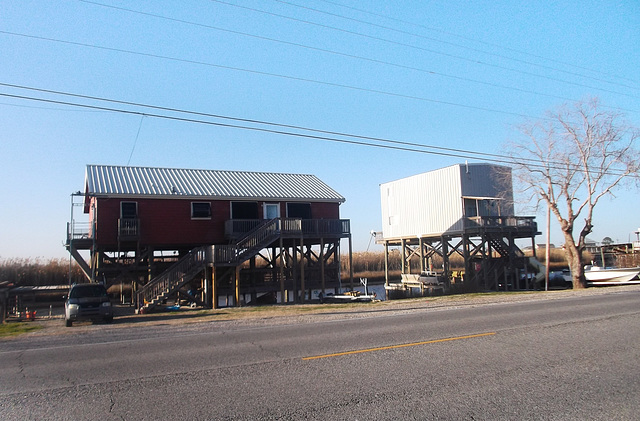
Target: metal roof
(108, 180)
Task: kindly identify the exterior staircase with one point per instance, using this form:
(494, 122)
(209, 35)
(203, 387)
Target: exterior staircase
(172, 279)
(192, 264)
(255, 240)
(499, 245)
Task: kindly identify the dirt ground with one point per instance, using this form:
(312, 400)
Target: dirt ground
(300, 313)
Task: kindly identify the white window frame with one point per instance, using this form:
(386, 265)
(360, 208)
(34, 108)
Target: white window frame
(266, 208)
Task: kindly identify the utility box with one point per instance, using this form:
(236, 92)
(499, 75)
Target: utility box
(446, 201)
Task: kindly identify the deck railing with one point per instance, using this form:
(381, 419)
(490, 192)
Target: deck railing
(501, 222)
(128, 228)
(179, 273)
(238, 228)
(79, 231)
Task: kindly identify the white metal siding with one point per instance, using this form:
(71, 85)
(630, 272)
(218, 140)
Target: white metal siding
(424, 204)
(431, 204)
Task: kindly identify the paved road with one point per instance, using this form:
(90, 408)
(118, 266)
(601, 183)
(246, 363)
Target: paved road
(571, 358)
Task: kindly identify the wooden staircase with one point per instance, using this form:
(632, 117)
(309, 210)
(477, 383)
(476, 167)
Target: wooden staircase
(255, 240)
(192, 264)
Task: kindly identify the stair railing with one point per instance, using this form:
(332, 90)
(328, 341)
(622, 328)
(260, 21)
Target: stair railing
(257, 238)
(174, 277)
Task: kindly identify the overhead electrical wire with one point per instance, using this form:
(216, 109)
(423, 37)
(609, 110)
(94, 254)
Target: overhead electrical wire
(281, 129)
(475, 61)
(237, 126)
(401, 31)
(479, 41)
(277, 75)
(333, 52)
(322, 135)
(222, 117)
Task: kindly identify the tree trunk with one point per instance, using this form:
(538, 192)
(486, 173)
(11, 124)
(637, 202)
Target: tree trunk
(574, 259)
(577, 272)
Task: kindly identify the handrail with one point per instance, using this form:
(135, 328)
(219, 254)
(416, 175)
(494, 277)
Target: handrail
(128, 227)
(258, 238)
(78, 230)
(254, 240)
(501, 221)
(171, 278)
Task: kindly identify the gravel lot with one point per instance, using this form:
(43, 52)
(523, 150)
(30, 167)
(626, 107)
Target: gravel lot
(306, 313)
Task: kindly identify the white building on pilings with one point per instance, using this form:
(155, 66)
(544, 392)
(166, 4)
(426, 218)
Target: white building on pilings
(465, 210)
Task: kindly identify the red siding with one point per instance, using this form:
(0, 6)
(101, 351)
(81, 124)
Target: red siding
(164, 222)
(167, 223)
(325, 211)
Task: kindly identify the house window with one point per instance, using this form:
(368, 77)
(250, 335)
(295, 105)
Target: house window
(128, 210)
(299, 210)
(244, 210)
(271, 210)
(470, 208)
(200, 210)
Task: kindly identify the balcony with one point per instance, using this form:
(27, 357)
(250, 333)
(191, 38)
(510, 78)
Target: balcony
(128, 229)
(291, 227)
(78, 231)
(518, 223)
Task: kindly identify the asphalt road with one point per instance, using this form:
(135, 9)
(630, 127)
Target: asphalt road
(570, 358)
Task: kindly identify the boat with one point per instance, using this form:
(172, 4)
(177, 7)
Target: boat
(348, 297)
(597, 275)
(425, 284)
(351, 296)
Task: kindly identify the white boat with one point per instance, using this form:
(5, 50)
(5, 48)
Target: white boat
(597, 275)
(348, 297)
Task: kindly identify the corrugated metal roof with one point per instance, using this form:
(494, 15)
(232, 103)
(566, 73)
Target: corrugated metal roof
(108, 180)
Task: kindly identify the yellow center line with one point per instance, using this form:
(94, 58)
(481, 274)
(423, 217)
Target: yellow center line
(382, 348)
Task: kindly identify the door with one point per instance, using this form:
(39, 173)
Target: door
(271, 210)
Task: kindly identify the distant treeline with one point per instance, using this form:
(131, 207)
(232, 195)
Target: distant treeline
(38, 272)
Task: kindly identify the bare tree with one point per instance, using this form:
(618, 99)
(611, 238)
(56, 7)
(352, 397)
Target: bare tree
(569, 161)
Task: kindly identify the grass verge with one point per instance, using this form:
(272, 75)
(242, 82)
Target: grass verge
(17, 328)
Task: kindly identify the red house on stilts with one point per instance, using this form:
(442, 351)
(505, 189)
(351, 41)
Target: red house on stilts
(210, 237)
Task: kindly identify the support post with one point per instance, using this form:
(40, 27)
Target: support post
(468, 266)
(294, 267)
(445, 258)
(281, 264)
(303, 289)
(403, 255)
(322, 263)
(350, 263)
(386, 263)
(237, 285)
(422, 263)
(214, 289)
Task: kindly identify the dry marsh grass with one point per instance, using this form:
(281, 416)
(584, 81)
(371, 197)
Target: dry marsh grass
(38, 271)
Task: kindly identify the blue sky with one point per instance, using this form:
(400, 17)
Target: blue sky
(454, 74)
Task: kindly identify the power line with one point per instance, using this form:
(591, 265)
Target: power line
(136, 139)
(323, 135)
(217, 116)
(237, 126)
(333, 52)
(474, 61)
(251, 121)
(262, 73)
(470, 39)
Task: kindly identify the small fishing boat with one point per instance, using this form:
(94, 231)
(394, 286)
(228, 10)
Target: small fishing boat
(348, 297)
(597, 275)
